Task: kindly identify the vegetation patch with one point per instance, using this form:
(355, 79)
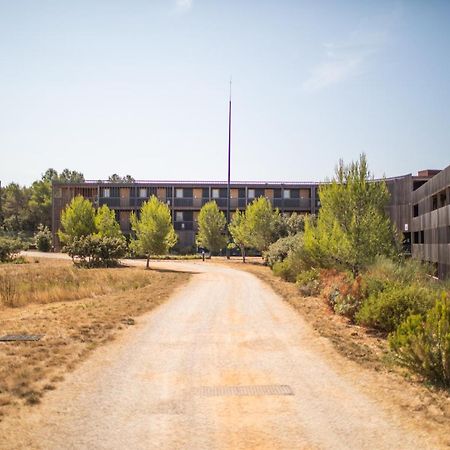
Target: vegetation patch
(77, 310)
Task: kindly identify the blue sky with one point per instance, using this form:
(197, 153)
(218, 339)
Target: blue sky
(141, 87)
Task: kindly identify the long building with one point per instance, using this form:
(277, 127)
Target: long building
(185, 199)
(431, 222)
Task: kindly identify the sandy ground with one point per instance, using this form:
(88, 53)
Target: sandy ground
(147, 390)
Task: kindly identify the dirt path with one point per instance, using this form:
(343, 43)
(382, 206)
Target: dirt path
(170, 383)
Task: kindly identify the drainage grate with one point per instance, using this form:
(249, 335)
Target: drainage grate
(20, 337)
(258, 390)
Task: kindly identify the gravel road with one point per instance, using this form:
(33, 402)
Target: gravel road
(209, 369)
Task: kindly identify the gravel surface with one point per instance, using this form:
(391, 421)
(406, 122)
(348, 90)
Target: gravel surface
(204, 371)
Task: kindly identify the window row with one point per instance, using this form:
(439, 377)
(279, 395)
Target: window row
(216, 193)
(439, 235)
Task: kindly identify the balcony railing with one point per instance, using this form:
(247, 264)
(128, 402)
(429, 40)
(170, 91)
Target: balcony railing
(300, 203)
(281, 203)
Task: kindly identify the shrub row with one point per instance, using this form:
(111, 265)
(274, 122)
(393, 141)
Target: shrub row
(396, 297)
(95, 251)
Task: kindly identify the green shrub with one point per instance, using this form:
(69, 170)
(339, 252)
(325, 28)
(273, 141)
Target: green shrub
(385, 310)
(95, 251)
(424, 344)
(308, 282)
(43, 239)
(10, 248)
(384, 271)
(279, 250)
(284, 270)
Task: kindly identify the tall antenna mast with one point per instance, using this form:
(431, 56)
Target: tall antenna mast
(229, 157)
(229, 169)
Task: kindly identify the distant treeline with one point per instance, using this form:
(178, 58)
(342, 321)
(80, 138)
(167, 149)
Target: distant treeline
(24, 208)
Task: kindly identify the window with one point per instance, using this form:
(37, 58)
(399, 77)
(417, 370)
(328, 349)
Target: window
(179, 216)
(143, 192)
(442, 199)
(305, 193)
(434, 202)
(215, 193)
(106, 193)
(415, 210)
(287, 193)
(179, 193)
(251, 193)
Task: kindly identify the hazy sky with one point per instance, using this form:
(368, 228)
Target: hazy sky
(141, 87)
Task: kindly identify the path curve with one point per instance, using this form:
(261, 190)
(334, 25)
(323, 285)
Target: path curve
(224, 333)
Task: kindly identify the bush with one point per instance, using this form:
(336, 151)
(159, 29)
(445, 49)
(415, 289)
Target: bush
(279, 250)
(385, 310)
(43, 239)
(308, 282)
(424, 345)
(95, 251)
(10, 248)
(343, 292)
(284, 270)
(385, 271)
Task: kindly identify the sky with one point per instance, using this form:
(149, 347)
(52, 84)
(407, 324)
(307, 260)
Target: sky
(141, 87)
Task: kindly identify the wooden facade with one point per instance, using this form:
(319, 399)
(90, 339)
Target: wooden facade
(431, 222)
(418, 206)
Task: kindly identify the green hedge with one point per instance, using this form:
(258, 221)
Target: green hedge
(387, 309)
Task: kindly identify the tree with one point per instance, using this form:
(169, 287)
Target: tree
(77, 220)
(211, 227)
(14, 205)
(106, 223)
(262, 223)
(114, 178)
(49, 175)
(40, 204)
(239, 231)
(154, 230)
(70, 176)
(352, 228)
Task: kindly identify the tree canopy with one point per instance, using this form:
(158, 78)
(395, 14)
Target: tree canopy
(154, 230)
(211, 227)
(77, 220)
(262, 222)
(24, 208)
(352, 227)
(106, 223)
(239, 231)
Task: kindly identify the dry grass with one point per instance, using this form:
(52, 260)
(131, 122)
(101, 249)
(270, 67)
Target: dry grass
(426, 406)
(77, 310)
(59, 280)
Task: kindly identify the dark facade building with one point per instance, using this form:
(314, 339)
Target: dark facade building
(185, 200)
(431, 222)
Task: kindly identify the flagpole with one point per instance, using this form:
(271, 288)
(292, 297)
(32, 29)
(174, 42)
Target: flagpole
(229, 169)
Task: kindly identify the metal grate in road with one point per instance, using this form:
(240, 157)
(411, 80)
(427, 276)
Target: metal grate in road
(254, 391)
(20, 337)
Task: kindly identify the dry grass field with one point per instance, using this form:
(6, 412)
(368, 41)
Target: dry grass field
(75, 309)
